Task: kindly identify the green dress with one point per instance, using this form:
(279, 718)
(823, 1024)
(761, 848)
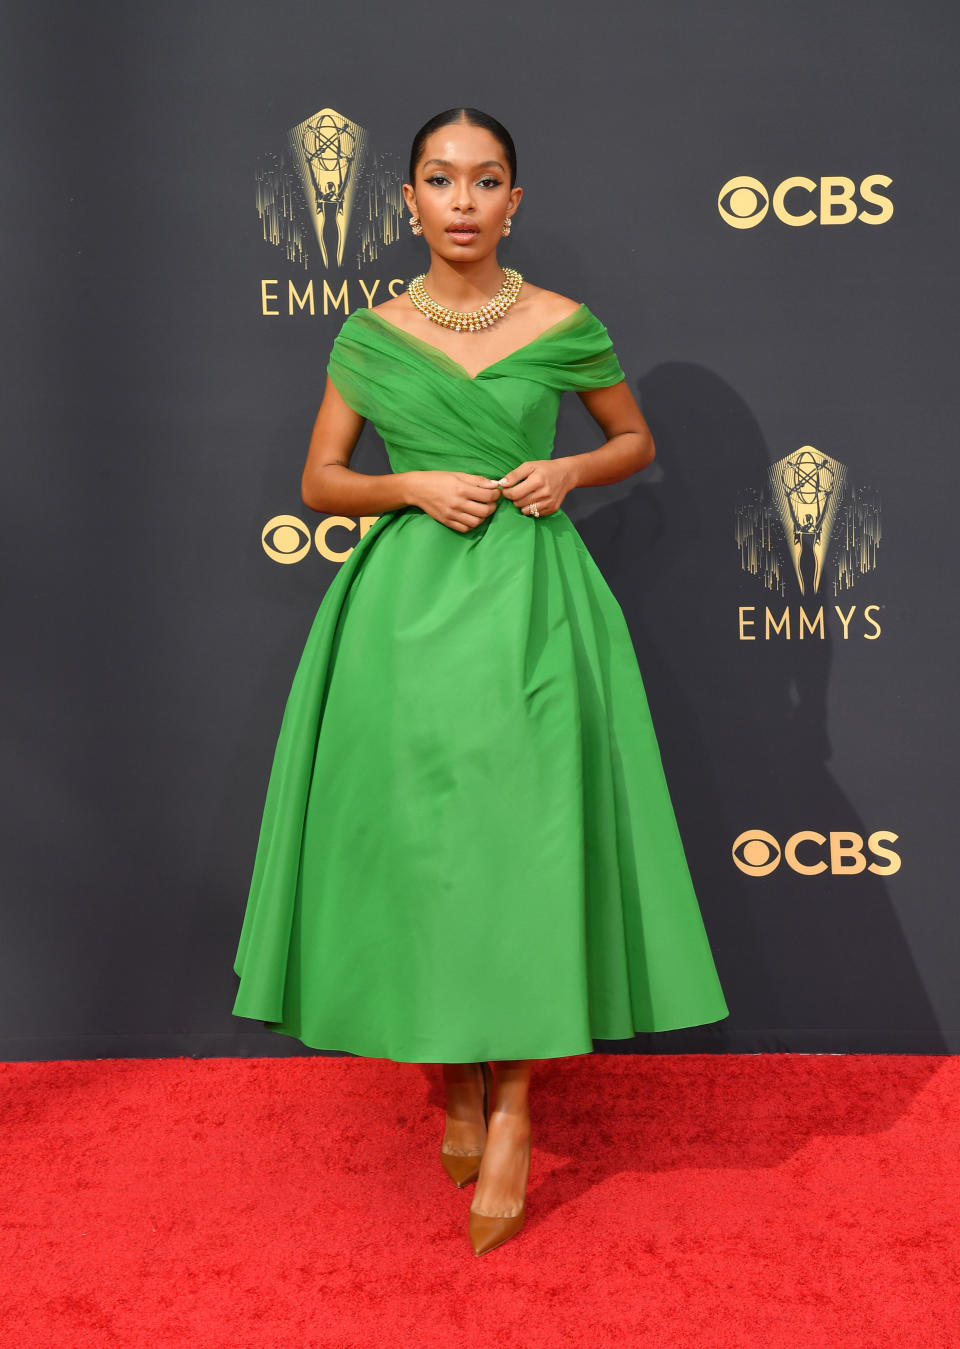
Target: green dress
(468, 849)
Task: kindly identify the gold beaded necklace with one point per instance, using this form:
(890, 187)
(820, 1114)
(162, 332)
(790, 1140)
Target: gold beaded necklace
(467, 320)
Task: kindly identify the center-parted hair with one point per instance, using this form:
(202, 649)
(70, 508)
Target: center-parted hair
(474, 117)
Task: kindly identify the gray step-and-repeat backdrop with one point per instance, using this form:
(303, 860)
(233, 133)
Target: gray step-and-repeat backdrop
(760, 202)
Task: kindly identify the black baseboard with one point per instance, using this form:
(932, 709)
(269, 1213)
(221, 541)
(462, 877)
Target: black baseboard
(267, 1044)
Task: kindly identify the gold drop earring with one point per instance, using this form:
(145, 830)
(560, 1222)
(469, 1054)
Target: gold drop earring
(506, 226)
(415, 225)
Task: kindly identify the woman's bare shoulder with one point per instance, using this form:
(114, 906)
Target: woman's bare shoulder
(400, 311)
(549, 305)
(394, 308)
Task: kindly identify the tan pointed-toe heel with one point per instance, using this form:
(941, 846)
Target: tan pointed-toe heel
(485, 1233)
(463, 1170)
(487, 1230)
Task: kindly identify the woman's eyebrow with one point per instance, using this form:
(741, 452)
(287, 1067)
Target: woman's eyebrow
(484, 164)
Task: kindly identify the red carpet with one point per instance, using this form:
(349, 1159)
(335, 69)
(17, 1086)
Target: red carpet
(697, 1200)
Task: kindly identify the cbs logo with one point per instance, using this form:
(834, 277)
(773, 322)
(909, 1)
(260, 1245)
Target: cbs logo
(842, 853)
(287, 539)
(743, 202)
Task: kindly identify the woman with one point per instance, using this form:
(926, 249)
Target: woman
(468, 852)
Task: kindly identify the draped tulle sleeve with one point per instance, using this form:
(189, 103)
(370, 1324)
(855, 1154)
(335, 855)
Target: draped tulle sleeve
(352, 367)
(590, 361)
(575, 353)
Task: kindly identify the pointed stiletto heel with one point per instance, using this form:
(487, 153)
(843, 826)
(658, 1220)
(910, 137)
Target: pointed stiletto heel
(463, 1170)
(489, 1230)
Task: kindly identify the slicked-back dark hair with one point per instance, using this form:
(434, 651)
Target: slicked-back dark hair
(473, 117)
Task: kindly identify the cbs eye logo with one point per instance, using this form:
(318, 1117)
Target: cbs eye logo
(743, 202)
(287, 539)
(842, 853)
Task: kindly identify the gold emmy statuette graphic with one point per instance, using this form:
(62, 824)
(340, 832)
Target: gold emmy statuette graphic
(328, 151)
(807, 487)
(330, 183)
(809, 520)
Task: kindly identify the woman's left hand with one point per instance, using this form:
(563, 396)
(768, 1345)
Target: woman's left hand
(538, 482)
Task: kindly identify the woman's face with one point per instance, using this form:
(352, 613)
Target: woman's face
(462, 192)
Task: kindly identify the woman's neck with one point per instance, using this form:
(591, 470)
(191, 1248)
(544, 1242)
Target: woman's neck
(463, 285)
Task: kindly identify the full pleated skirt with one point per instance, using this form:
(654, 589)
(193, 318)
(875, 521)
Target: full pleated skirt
(468, 849)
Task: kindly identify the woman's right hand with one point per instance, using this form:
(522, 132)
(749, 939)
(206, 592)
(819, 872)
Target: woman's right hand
(458, 500)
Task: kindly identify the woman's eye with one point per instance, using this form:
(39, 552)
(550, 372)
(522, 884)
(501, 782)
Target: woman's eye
(441, 178)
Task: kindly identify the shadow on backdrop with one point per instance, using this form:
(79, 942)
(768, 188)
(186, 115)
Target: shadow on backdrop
(807, 962)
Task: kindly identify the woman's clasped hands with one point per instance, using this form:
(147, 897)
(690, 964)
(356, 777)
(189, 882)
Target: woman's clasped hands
(536, 487)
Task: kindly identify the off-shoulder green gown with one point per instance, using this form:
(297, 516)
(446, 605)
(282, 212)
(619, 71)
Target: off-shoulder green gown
(468, 849)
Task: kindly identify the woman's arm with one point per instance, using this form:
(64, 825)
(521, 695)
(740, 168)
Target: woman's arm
(458, 500)
(328, 483)
(629, 447)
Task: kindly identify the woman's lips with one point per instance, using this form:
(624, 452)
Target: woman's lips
(462, 232)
